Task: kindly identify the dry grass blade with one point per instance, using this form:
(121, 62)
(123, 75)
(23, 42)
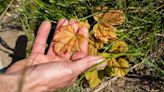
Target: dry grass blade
(105, 84)
(6, 9)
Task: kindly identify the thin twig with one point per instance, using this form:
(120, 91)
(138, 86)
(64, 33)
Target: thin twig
(6, 9)
(104, 84)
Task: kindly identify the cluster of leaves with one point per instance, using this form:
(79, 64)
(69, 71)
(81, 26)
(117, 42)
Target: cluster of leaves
(103, 32)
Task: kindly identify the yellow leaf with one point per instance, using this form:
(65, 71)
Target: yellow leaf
(119, 68)
(124, 64)
(94, 46)
(99, 8)
(92, 50)
(123, 69)
(113, 63)
(112, 17)
(104, 33)
(99, 44)
(83, 24)
(93, 79)
(67, 40)
(119, 46)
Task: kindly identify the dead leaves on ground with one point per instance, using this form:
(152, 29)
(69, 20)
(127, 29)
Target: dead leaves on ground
(119, 47)
(104, 33)
(112, 17)
(104, 30)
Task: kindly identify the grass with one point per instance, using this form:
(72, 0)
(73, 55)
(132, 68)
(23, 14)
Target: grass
(3, 5)
(143, 30)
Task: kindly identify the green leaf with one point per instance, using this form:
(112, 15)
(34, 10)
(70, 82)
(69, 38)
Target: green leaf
(93, 79)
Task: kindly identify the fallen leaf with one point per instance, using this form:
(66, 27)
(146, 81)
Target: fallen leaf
(99, 44)
(124, 64)
(99, 8)
(119, 68)
(104, 33)
(92, 50)
(67, 40)
(93, 79)
(112, 17)
(113, 63)
(119, 46)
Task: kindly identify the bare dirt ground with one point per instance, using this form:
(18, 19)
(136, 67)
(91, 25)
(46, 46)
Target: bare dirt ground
(8, 38)
(145, 80)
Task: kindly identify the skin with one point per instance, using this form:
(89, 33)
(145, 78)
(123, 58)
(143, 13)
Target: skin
(48, 72)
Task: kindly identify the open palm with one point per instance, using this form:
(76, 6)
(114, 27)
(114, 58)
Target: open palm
(37, 55)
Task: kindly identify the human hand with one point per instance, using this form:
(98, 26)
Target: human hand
(51, 71)
(38, 55)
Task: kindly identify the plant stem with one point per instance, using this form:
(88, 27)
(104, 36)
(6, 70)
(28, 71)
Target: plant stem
(108, 59)
(6, 9)
(84, 18)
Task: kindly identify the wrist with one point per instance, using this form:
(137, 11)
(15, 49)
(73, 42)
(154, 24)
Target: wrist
(18, 83)
(30, 82)
(9, 83)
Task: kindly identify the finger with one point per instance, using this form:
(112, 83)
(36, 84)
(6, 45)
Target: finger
(73, 23)
(41, 38)
(83, 47)
(81, 65)
(78, 55)
(61, 23)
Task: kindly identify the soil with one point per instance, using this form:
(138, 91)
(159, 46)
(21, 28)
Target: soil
(8, 40)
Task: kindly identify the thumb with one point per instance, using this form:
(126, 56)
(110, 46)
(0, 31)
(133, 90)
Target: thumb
(81, 65)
